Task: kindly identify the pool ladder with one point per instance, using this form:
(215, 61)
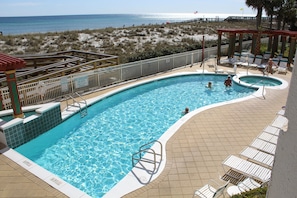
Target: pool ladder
(82, 104)
(151, 156)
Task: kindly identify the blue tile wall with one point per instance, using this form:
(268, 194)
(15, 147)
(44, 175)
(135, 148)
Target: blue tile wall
(24, 132)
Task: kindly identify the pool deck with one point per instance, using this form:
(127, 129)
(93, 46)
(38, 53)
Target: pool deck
(194, 153)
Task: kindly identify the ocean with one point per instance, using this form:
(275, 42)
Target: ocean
(43, 24)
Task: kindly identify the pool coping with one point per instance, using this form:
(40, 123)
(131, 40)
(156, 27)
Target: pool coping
(129, 183)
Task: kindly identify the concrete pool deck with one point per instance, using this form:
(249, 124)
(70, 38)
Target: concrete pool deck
(194, 153)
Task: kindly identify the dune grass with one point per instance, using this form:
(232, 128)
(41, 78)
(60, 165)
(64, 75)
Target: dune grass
(130, 43)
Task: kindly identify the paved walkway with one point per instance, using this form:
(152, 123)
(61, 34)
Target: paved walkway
(194, 153)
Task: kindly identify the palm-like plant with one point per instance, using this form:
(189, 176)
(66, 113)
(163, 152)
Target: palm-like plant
(259, 6)
(272, 7)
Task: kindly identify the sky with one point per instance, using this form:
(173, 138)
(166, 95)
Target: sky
(72, 7)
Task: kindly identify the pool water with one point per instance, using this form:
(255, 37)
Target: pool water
(8, 118)
(94, 153)
(260, 80)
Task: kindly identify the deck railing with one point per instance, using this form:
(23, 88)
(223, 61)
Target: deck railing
(55, 89)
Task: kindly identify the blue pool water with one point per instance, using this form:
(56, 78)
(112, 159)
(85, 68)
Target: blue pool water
(260, 80)
(94, 153)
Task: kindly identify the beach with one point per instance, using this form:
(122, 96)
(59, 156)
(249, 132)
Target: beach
(129, 43)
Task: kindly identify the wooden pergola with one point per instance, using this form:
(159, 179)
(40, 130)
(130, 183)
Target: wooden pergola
(273, 44)
(9, 64)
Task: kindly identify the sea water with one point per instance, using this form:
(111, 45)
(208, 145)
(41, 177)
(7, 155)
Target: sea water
(43, 24)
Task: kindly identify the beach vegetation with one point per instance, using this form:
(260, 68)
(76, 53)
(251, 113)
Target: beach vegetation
(129, 43)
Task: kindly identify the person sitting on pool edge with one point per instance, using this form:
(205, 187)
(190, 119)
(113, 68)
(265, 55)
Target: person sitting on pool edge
(228, 82)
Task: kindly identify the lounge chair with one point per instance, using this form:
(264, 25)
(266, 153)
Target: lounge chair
(246, 185)
(272, 130)
(209, 191)
(283, 66)
(228, 61)
(242, 60)
(247, 168)
(264, 146)
(250, 62)
(258, 157)
(268, 137)
(266, 55)
(280, 122)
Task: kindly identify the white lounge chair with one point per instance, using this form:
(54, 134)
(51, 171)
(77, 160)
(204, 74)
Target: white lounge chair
(246, 185)
(242, 60)
(209, 191)
(228, 61)
(264, 146)
(250, 62)
(280, 122)
(272, 130)
(268, 137)
(247, 168)
(283, 66)
(258, 156)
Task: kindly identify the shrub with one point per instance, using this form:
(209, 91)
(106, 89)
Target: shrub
(256, 193)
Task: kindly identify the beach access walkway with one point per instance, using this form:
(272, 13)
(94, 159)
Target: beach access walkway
(194, 153)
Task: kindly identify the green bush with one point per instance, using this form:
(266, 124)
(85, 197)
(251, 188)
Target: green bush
(256, 193)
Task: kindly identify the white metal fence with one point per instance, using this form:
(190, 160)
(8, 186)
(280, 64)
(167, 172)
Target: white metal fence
(56, 88)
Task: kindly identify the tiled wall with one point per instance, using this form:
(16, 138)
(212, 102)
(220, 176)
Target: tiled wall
(20, 131)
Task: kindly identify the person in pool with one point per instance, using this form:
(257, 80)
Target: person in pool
(209, 85)
(186, 111)
(228, 82)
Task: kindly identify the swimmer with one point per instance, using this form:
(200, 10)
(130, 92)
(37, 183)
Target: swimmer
(186, 111)
(228, 82)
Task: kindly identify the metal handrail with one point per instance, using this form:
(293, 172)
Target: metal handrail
(140, 158)
(154, 141)
(143, 150)
(74, 102)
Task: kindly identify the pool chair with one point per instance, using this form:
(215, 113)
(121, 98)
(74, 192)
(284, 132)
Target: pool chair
(247, 168)
(228, 61)
(280, 122)
(250, 62)
(241, 60)
(264, 146)
(246, 185)
(283, 65)
(266, 56)
(272, 130)
(213, 190)
(259, 157)
(259, 62)
(268, 137)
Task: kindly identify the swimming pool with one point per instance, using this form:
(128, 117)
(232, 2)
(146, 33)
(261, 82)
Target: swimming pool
(94, 153)
(260, 80)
